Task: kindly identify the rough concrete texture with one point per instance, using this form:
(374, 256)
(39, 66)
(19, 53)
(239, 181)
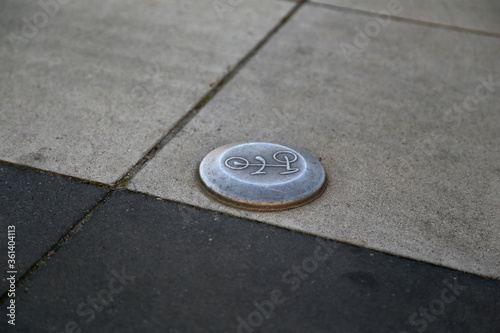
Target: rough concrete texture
(142, 265)
(96, 84)
(479, 15)
(405, 175)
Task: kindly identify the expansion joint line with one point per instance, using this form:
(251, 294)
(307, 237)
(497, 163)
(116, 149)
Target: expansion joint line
(122, 182)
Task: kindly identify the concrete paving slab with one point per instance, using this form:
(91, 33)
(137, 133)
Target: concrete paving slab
(86, 88)
(482, 15)
(407, 173)
(42, 209)
(143, 265)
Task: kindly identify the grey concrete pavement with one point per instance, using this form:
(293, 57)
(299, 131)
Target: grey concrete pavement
(408, 173)
(86, 88)
(143, 265)
(481, 15)
(403, 113)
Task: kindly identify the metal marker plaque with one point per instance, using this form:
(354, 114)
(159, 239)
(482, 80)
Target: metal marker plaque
(262, 176)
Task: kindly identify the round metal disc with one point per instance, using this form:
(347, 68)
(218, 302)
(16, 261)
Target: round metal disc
(262, 176)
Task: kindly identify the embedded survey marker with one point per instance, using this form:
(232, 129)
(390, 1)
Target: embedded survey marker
(262, 176)
(407, 173)
(115, 120)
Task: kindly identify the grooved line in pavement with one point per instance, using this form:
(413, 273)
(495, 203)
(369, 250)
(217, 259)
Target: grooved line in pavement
(407, 20)
(120, 184)
(40, 262)
(53, 173)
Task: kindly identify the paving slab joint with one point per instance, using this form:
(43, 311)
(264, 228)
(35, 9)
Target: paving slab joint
(46, 257)
(123, 181)
(163, 141)
(406, 20)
